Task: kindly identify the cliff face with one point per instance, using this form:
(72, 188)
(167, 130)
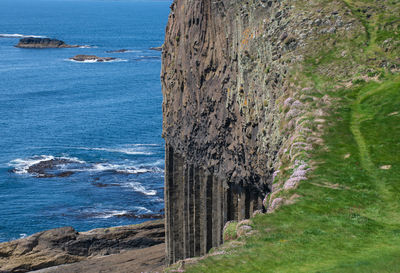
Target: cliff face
(224, 78)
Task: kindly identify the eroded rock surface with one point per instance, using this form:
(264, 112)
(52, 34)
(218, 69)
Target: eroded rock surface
(66, 245)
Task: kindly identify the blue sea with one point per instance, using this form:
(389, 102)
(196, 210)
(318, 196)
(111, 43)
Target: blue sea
(102, 122)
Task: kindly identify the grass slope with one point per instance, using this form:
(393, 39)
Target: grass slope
(348, 219)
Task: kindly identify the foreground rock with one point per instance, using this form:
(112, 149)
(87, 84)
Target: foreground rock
(65, 245)
(91, 58)
(150, 259)
(43, 43)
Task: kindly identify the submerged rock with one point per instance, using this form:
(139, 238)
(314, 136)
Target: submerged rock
(42, 43)
(118, 51)
(91, 58)
(66, 245)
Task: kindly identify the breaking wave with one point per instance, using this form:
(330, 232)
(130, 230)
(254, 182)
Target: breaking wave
(21, 165)
(19, 36)
(75, 165)
(138, 212)
(136, 149)
(136, 186)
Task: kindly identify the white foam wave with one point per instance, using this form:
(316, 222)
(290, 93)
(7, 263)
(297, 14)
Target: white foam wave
(20, 36)
(141, 58)
(87, 46)
(143, 210)
(136, 171)
(127, 150)
(110, 214)
(123, 168)
(158, 163)
(143, 144)
(108, 167)
(21, 165)
(140, 188)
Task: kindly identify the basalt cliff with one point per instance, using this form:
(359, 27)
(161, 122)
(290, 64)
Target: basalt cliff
(242, 111)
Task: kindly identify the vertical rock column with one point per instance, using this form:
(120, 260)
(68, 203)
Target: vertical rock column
(194, 208)
(197, 206)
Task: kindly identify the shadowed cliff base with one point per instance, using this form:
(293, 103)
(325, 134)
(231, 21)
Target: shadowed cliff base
(198, 206)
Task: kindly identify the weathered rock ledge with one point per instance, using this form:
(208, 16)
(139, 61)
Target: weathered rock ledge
(65, 246)
(43, 43)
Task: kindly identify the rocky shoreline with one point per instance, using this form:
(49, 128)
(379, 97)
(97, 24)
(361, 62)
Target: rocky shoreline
(135, 246)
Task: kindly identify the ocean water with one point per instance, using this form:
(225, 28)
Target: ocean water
(102, 120)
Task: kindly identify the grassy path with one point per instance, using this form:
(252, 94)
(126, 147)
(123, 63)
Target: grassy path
(357, 118)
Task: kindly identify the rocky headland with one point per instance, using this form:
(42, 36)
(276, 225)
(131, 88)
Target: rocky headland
(138, 247)
(31, 42)
(92, 58)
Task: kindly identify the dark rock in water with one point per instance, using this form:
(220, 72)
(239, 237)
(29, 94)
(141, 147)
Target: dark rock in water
(91, 58)
(45, 169)
(42, 43)
(159, 48)
(104, 185)
(65, 245)
(118, 51)
(65, 174)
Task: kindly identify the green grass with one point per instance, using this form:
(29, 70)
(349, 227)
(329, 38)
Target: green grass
(354, 226)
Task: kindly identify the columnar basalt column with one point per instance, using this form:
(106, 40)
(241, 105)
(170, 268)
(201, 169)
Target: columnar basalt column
(197, 206)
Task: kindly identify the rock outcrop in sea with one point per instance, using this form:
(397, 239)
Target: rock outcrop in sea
(31, 42)
(91, 58)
